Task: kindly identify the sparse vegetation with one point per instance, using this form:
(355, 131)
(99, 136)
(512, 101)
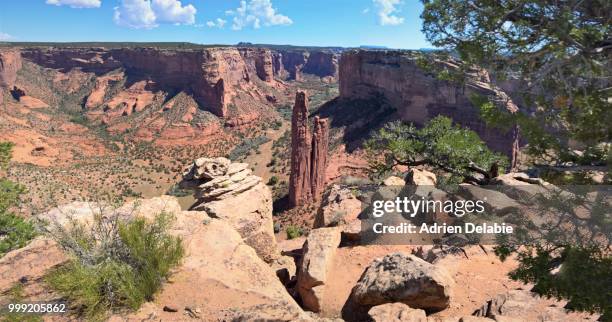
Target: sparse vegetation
(15, 231)
(116, 264)
(293, 232)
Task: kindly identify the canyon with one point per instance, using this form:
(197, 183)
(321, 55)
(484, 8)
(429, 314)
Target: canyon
(417, 95)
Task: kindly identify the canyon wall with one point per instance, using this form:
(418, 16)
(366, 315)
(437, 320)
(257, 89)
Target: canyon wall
(10, 63)
(292, 63)
(418, 96)
(212, 75)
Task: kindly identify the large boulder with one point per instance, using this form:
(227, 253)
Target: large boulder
(493, 200)
(319, 251)
(419, 177)
(396, 312)
(339, 206)
(230, 191)
(404, 278)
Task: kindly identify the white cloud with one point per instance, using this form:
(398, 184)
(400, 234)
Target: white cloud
(172, 11)
(5, 37)
(256, 13)
(148, 14)
(218, 23)
(366, 10)
(76, 3)
(387, 12)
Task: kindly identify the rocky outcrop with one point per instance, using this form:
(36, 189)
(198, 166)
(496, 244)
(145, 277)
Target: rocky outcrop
(308, 154)
(418, 96)
(231, 192)
(396, 312)
(322, 64)
(299, 181)
(30, 262)
(10, 63)
(319, 250)
(318, 159)
(339, 206)
(407, 279)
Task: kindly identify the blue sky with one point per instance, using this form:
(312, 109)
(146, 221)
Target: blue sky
(348, 23)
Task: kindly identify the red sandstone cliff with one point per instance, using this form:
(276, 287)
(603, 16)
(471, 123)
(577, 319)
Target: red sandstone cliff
(10, 63)
(299, 181)
(418, 96)
(318, 159)
(308, 154)
(292, 63)
(212, 75)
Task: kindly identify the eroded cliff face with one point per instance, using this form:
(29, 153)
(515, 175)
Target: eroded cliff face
(10, 63)
(418, 96)
(308, 154)
(292, 64)
(213, 75)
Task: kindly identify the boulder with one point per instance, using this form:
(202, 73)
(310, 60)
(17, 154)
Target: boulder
(523, 305)
(404, 278)
(339, 206)
(318, 255)
(394, 181)
(494, 201)
(231, 192)
(30, 262)
(396, 312)
(421, 178)
(520, 187)
(470, 318)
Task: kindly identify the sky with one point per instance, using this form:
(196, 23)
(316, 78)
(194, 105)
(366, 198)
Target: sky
(345, 23)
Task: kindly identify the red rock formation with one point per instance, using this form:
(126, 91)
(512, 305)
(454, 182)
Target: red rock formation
(10, 63)
(292, 63)
(322, 64)
(299, 181)
(318, 159)
(212, 75)
(418, 96)
(308, 154)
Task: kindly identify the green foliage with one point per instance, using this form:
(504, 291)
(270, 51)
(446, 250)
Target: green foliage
(273, 180)
(563, 251)
(556, 55)
(117, 264)
(439, 144)
(246, 146)
(293, 232)
(15, 231)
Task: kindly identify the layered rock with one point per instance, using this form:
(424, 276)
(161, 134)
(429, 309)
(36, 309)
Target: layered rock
(318, 159)
(308, 154)
(299, 181)
(231, 192)
(291, 64)
(10, 63)
(212, 75)
(418, 96)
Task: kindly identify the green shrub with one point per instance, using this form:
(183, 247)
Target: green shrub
(293, 232)
(116, 264)
(273, 180)
(15, 231)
